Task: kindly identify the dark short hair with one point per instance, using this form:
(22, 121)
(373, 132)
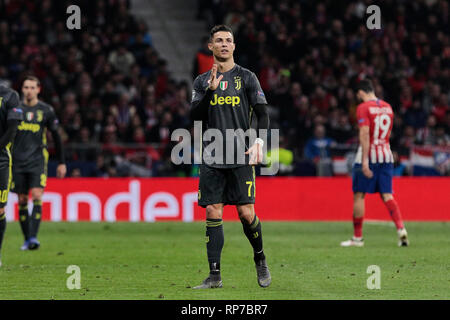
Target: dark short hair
(220, 27)
(33, 78)
(364, 85)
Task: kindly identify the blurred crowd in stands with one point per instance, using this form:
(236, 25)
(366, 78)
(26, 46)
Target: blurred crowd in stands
(308, 56)
(118, 104)
(105, 81)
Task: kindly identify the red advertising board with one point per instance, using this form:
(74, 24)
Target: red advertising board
(277, 198)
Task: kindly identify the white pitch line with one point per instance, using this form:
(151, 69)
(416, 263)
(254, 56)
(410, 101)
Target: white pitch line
(380, 222)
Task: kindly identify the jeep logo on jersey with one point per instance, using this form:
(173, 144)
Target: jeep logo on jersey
(233, 100)
(223, 85)
(33, 127)
(30, 116)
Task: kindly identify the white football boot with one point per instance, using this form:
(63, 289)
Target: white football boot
(402, 238)
(353, 242)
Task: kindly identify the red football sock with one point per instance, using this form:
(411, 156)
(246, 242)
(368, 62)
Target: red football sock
(395, 213)
(357, 227)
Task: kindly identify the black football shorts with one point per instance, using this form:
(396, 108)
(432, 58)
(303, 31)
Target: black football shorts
(25, 179)
(232, 186)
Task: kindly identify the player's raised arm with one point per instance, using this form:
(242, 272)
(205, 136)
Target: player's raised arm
(202, 96)
(213, 81)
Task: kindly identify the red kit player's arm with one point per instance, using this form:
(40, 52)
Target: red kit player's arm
(362, 115)
(364, 140)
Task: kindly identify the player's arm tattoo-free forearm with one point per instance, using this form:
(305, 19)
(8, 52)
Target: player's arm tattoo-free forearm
(262, 115)
(58, 146)
(364, 140)
(10, 133)
(199, 110)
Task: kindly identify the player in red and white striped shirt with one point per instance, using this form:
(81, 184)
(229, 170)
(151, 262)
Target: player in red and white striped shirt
(373, 168)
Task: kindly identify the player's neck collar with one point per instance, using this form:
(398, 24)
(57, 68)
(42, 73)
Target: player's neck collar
(31, 105)
(375, 98)
(234, 66)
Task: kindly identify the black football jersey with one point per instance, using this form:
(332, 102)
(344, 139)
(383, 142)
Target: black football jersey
(9, 109)
(31, 136)
(229, 108)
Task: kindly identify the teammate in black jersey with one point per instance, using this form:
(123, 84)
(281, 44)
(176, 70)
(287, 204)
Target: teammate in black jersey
(30, 157)
(225, 98)
(10, 116)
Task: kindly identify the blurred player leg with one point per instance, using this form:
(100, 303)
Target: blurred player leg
(20, 186)
(252, 229)
(2, 229)
(396, 216)
(358, 218)
(24, 219)
(211, 186)
(358, 214)
(214, 245)
(36, 215)
(5, 182)
(385, 188)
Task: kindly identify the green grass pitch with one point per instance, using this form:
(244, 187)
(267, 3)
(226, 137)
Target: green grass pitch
(164, 260)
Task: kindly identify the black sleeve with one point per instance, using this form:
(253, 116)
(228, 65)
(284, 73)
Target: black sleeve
(14, 116)
(10, 133)
(52, 125)
(254, 91)
(13, 100)
(200, 101)
(262, 115)
(199, 109)
(14, 111)
(58, 146)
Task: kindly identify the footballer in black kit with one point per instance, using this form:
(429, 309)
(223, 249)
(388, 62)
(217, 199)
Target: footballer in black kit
(228, 97)
(10, 116)
(230, 108)
(30, 158)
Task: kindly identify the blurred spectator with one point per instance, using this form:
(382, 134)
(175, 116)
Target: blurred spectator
(442, 139)
(318, 147)
(407, 140)
(76, 173)
(101, 167)
(211, 10)
(317, 150)
(415, 116)
(427, 134)
(203, 60)
(121, 59)
(440, 108)
(342, 131)
(399, 168)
